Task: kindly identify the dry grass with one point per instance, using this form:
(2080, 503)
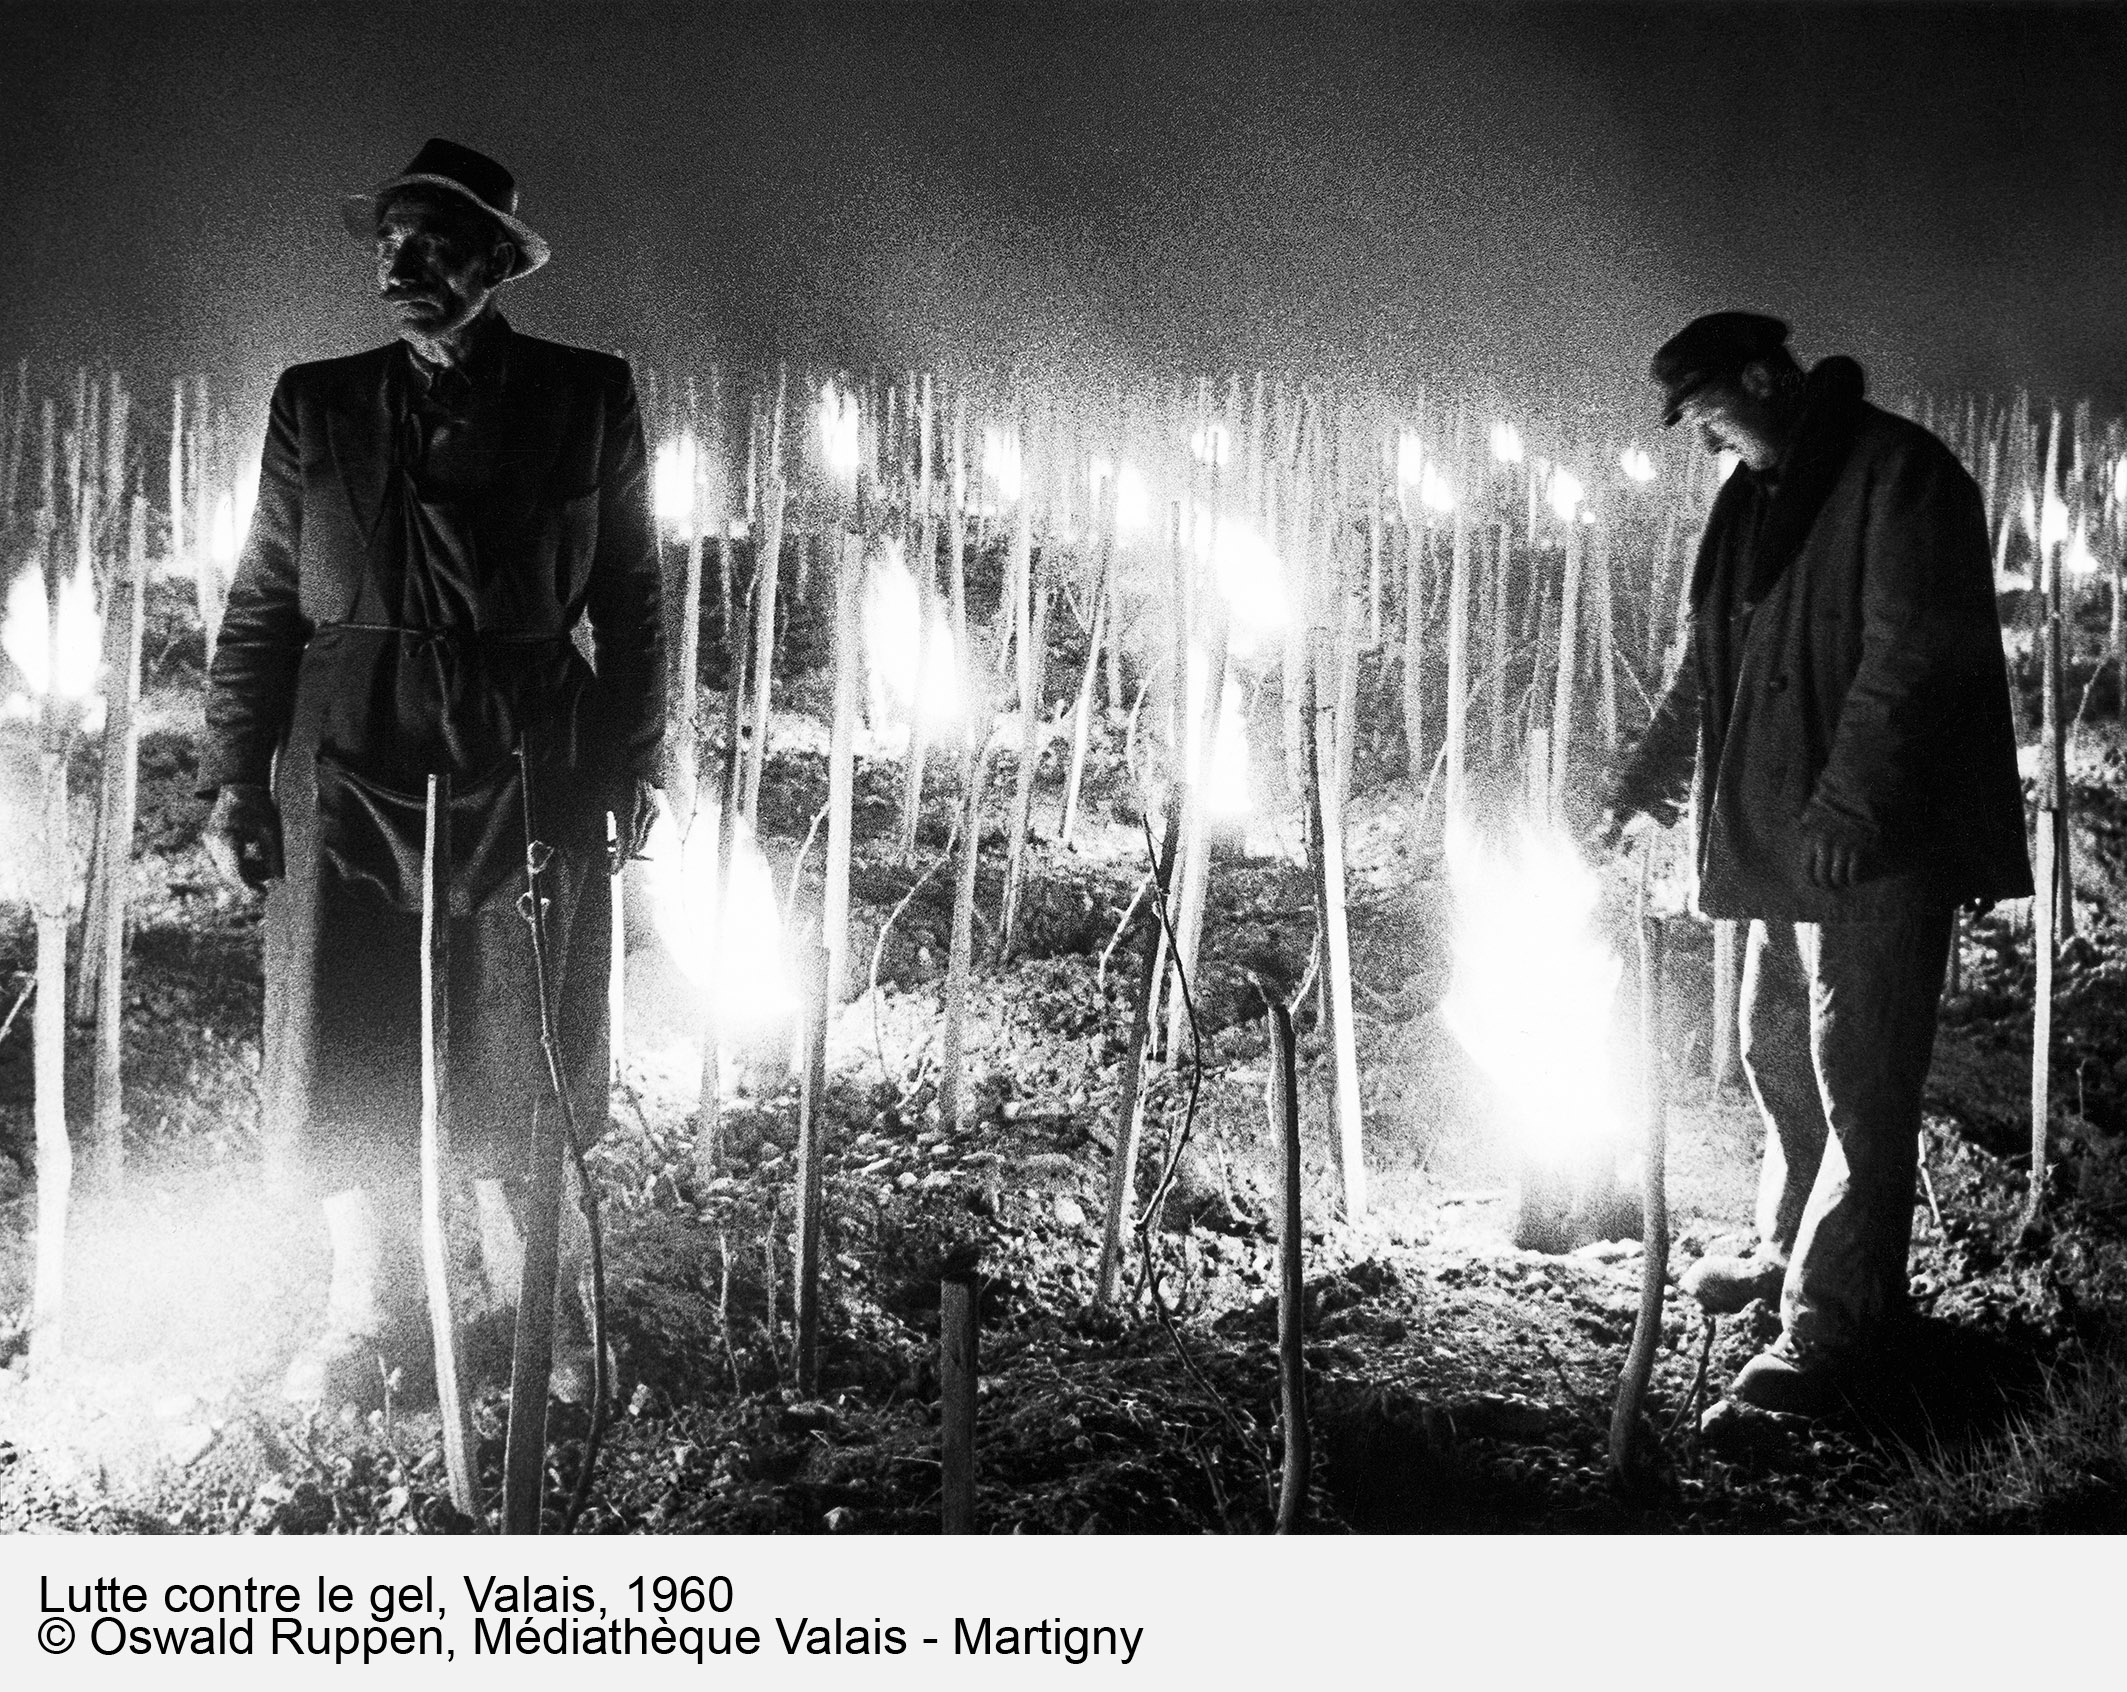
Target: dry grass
(2059, 1467)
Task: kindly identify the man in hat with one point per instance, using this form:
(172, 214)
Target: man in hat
(436, 518)
(1843, 700)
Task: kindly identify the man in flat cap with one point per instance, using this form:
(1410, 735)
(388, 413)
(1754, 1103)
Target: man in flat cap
(436, 517)
(1843, 699)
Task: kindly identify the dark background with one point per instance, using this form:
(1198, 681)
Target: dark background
(1525, 195)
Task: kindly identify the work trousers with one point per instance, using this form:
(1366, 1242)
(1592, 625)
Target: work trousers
(1838, 1029)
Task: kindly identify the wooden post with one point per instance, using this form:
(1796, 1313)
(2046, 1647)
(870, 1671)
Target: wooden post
(767, 559)
(451, 1401)
(1501, 559)
(1605, 641)
(1325, 831)
(1729, 937)
(812, 1107)
(1568, 664)
(841, 761)
(1082, 710)
(2045, 903)
(958, 1371)
(953, 1091)
(1458, 705)
(681, 760)
(1130, 1110)
(923, 569)
(1654, 1259)
(1032, 618)
(55, 1156)
(1284, 1099)
(121, 739)
(709, 1125)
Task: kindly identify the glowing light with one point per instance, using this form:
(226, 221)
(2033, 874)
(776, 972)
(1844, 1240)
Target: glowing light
(1636, 464)
(2077, 558)
(743, 957)
(1228, 792)
(26, 635)
(1410, 460)
(891, 613)
(839, 417)
(1211, 444)
(1001, 462)
(1565, 494)
(1506, 443)
(2053, 522)
(1533, 990)
(672, 482)
(2119, 481)
(1249, 575)
(247, 478)
(1435, 491)
(1133, 500)
(221, 531)
(1725, 465)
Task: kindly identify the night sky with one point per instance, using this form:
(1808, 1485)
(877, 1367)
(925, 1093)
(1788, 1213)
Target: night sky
(1532, 196)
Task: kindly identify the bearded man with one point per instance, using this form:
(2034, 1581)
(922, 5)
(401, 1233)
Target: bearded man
(436, 518)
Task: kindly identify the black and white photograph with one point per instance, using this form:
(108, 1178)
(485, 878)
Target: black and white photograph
(1084, 769)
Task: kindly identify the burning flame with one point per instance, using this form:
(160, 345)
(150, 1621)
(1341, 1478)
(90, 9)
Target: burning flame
(1410, 459)
(1249, 576)
(1506, 443)
(838, 429)
(1212, 444)
(1228, 792)
(26, 634)
(891, 611)
(672, 482)
(1133, 500)
(1534, 987)
(222, 537)
(2119, 481)
(744, 955)
(1435, 491)
(1001, 463)
(1565, 493)
(1636, 464)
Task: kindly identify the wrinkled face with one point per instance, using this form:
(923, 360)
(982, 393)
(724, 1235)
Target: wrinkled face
(1737, 416)
(439, 262)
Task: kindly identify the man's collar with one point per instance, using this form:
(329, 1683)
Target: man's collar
(485, 355)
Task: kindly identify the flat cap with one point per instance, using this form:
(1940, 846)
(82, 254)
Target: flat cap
(1711, 349)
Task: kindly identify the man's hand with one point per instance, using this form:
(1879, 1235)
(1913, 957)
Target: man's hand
(243, 836)
(632, 820)
(1834, 859)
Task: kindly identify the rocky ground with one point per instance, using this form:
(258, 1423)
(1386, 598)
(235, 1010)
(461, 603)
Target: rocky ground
(1456, 1383)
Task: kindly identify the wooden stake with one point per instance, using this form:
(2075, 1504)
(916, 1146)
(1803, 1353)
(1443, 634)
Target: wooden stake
(812, 1107)
(841, 760)
(958, 1371)
(122, 773)
(1082, 710)
(953, 1092)
(1458, 712)
(1284, 1100)
(55, 1156)
(1568, 664)
(924, 569)
(1325, 832)
(767, 559)
(451, 1400)
(1654, 1259)
(1033, 621)
(1723, 1056)
(681, 760)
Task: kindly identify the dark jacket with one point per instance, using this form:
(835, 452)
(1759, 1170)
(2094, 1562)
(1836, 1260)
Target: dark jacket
(401, 610)
(1843, 675)
(567, 524)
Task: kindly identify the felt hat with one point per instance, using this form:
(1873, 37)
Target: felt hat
(1708, 349)
(470, 176)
